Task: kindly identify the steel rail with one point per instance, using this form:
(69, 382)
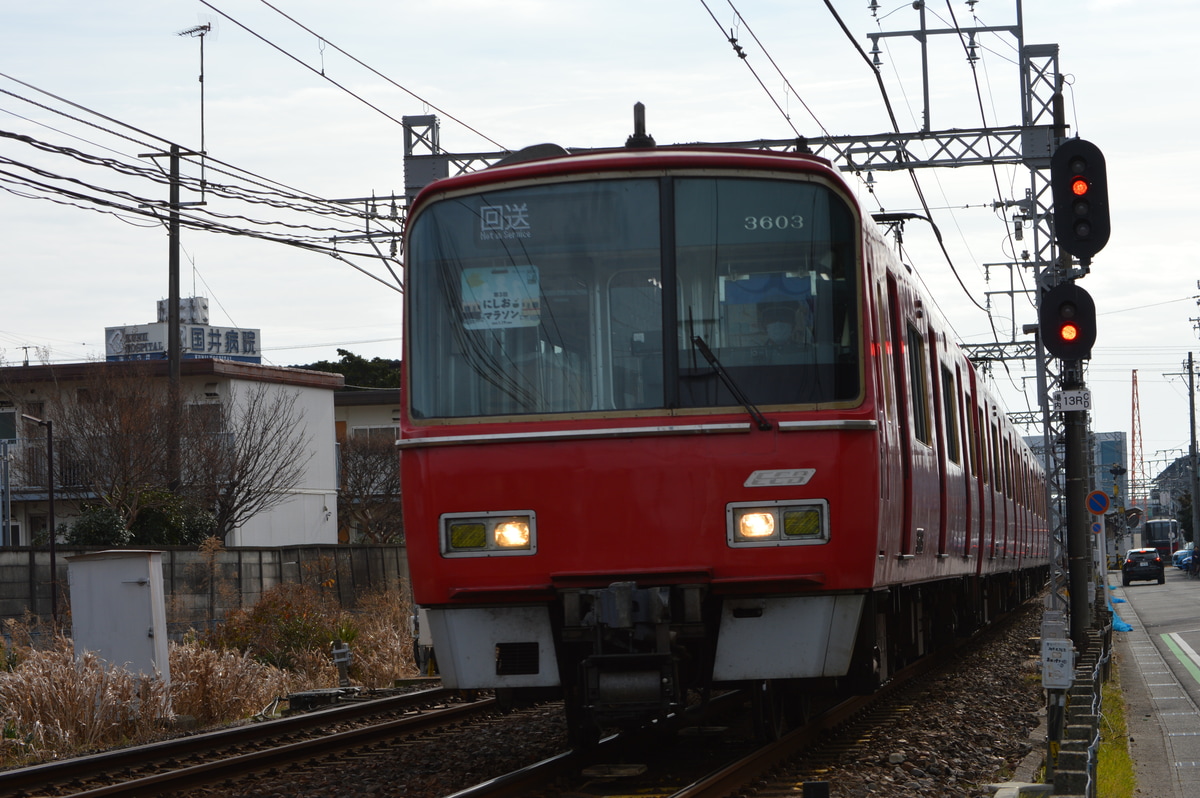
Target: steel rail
(243, 764)
(37, 777)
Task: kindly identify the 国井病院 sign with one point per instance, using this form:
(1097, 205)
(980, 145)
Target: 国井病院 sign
(149, 342)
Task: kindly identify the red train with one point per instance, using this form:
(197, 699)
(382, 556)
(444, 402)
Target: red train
(675, 418)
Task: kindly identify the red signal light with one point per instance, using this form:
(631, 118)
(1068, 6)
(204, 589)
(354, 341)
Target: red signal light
(1069, 332)
(1079, 187)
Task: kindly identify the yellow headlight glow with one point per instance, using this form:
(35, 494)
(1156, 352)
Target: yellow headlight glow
(756, 525)
(467, 536)
(781, 522)
(512, 534)
(802, 522)
(489, 534)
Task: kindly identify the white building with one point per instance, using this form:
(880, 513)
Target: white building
(308, 514)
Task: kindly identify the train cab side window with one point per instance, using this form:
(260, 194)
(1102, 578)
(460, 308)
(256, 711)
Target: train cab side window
(507, 293)
(766, 277)
(918, 380)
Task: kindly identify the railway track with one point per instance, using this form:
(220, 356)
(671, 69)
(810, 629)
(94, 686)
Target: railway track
(186, 762)
(718, 762)
(701, 762)
(709, 754)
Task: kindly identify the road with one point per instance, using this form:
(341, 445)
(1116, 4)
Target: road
(1170, 614)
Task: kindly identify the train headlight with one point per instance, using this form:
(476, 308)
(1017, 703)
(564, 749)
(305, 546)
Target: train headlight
(778, 523)
(488, 534)
(755, 525)
(512, 535)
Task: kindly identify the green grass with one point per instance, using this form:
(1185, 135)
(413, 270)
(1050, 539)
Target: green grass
(1114, 770)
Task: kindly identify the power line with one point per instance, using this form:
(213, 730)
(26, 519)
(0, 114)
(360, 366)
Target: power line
(379, 74)
(912, 172)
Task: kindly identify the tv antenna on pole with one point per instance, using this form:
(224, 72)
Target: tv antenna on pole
(199, 32)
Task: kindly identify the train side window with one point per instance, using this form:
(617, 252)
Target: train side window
(883, 340)
(950, 414)
(997, 471)
(918, 380)
(981, 435)
(972, 445)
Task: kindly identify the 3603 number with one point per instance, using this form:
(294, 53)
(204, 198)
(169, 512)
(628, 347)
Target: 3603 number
(781, 222)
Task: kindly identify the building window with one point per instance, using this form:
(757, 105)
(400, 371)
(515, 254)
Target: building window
(372, 434)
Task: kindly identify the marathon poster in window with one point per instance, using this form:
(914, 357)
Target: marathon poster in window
(500, 297)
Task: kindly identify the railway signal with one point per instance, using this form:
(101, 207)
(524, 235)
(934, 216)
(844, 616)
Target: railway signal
(1079, 187)
(1067, 322)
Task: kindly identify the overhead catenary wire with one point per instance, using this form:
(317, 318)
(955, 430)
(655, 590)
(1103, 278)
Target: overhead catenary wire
(227, 169)
(377, 73)
(912, 172)
(827, 137)
(124, 203)
(262, 192)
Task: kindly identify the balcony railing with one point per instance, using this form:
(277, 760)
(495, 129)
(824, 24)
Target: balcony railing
(27, 467)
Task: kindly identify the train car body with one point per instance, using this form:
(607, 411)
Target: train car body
(1162, 534)
(677, 417)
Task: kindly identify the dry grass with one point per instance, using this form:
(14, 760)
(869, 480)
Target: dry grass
(1115, 776)
(54, 705)
(217, 686)
(383, 642)
(293, 627)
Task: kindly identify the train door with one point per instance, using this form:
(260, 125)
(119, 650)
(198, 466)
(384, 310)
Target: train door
(941, 418)
(900, 373)
(975, 483)
(962, 422)
(885, 405)
(987, 514)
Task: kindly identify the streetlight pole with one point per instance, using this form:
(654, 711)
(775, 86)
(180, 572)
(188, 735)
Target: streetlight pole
(49, 425)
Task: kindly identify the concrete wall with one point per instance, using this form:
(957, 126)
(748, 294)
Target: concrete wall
(202, 587)
(309, 513)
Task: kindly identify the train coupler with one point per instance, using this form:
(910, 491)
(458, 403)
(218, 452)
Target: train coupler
(629, 688)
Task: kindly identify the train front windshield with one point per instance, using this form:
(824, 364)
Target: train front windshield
(550, 298)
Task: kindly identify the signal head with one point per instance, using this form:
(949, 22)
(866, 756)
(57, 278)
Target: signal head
(1078, 183)
(1067, 322)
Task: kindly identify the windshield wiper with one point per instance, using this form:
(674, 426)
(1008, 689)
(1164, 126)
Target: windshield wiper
(738, 393)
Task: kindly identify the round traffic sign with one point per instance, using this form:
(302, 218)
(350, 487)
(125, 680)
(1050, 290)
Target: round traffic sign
(1097, 528)
(1097, 502)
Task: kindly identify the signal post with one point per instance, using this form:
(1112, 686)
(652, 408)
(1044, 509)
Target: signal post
(1067, 330)
(1067, 322)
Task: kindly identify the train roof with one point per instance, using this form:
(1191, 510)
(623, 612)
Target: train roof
(548, 160)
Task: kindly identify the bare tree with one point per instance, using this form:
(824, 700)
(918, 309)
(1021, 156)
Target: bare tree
(111, 436)
(114, 431)
(369, 498)
(246, 456)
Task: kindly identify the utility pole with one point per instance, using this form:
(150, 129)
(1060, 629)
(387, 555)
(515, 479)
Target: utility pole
(1195, 470)
(174, 345)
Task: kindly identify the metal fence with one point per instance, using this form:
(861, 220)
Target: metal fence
(202, 587)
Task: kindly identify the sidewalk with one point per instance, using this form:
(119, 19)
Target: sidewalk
(1164, 723)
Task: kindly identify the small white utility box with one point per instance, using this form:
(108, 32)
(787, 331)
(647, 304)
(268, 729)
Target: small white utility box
(118, 609)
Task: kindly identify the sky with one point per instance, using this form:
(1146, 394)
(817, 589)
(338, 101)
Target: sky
(315, 115)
